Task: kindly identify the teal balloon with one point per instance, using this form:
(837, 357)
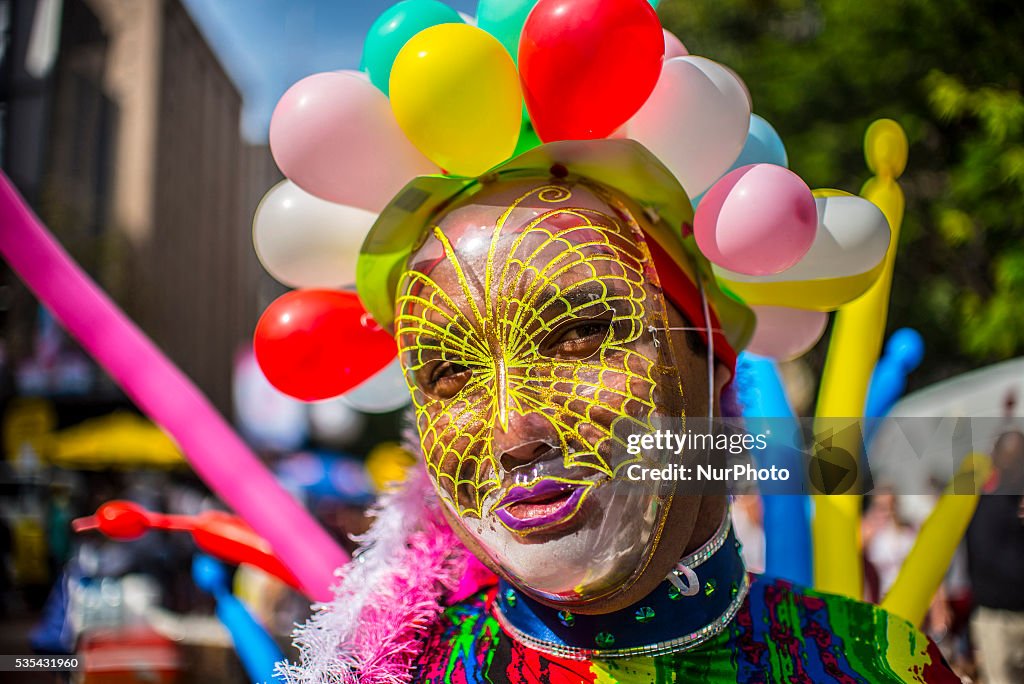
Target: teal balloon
(504, 20)
(654, 3)
(392, 31)
(763, 146)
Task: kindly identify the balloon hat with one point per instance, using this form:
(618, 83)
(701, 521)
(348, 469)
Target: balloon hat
(374, 157)
(621, 165)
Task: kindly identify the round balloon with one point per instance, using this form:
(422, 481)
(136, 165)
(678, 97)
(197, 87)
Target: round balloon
(673, 46)
(784, 333)
(763, 145)
(384, 392)
(392, 31)
(758, 220)
(743, 84)
(695, 121)
(267, 418)
(304, 241)
(504, 20)
(335, 423)
(317, 344)
(333, 135)
(588, 65)
(455, 93)
(527, 139)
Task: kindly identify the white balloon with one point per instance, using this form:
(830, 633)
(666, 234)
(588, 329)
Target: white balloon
(743, 84)
(304, 241)
(695, 121)
(334, 422)
(383, 392)
(267, 418)
(468, 18)
(852, 238)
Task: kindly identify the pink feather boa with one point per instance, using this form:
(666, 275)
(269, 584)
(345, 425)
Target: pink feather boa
(410, 566)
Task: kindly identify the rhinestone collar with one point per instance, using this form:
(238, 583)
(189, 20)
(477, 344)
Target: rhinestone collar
(674, 617)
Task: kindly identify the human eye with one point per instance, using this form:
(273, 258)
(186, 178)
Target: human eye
(578, 339)
(443, 379)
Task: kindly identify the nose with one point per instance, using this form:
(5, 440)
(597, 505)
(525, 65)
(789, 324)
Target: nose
(527, 438)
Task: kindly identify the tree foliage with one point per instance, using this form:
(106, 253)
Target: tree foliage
(950, 73)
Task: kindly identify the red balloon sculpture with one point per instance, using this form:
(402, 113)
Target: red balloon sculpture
(579, 82)
(318, 344)
(219, 534)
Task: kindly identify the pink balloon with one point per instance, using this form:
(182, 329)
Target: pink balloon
(757, 220)
(673, 46)
(334, 135)
(166, 395)
(784, 333)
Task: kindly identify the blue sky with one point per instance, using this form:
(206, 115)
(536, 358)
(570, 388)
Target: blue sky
(266, 45)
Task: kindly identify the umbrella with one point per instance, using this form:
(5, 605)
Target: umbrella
(927, 433)
(119, 440)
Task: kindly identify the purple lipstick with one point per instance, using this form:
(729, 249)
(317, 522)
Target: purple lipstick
(543, 504)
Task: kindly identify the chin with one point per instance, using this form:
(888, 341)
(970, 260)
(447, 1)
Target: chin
(597, 554)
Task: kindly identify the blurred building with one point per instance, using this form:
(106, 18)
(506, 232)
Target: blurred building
(121, 127)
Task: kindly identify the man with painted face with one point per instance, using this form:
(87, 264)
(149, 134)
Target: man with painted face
(545, 315)
(535, 340)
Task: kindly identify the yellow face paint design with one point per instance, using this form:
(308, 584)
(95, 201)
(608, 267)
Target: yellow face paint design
(528, 329)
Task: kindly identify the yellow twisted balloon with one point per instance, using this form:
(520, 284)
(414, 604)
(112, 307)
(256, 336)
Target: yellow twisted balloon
(853, 351)
(926, 565)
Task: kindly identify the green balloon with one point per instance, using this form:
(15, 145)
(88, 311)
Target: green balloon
(392, 31)
(527, 139)
(504, 20)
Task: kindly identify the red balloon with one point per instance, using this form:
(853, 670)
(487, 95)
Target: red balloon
(588, 65)
(318, 344)
(230, 539)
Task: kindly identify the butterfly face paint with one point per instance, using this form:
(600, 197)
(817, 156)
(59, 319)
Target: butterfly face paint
(533, 336)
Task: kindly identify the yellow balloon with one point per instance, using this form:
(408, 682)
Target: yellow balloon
(830, 192)
(923, 570)
(388, 465)
(854, 347)
(455, 92)
(885, 148)
(823, 294)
